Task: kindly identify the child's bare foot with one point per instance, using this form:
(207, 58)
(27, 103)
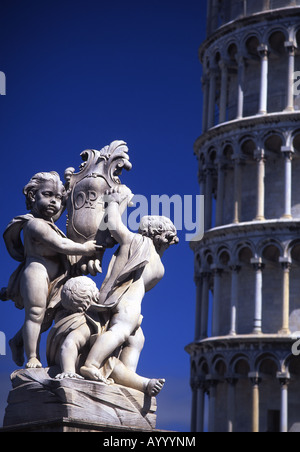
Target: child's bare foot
(33, 363)
(92, 373)
(72, 375)
(17, 352)
(155, 386)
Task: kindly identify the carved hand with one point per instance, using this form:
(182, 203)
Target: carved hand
(91, 247)
(119, 194)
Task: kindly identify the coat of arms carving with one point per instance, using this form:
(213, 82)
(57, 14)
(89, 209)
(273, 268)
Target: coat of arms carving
(98, 173)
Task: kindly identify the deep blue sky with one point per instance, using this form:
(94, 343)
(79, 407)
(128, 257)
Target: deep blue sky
(81, 74)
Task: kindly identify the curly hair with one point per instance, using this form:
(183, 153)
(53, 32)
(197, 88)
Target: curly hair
(37, 181)
(160, 229)
(79, 293)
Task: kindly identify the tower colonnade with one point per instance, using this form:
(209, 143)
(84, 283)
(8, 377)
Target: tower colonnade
(244, 375)
(222, 12)
(249, 260)
(238, 67)
(246, 390)
(267, 151)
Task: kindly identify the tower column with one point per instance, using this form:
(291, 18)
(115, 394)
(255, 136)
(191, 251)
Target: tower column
(231, 382)
(198, 282)
(212, 97)
(235, 269)
(193, 384)
(286, 267)
(258, 268)
(202, 182)
(260, 203)
(288, 153)
(205, 89)
(200, 405)
(223, 96)
(209, 172)
(284, 379)
(217, 272)
(204, 302)
(214, 15)
(290, 47)
(237, 189)
(264, 56)
(212, 384)
(241, 77)
(255, 380)
(220, 193)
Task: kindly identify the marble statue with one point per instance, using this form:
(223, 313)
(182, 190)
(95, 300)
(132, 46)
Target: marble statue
(77, 328)
(135, 269)
(43, 259)
(97, 334)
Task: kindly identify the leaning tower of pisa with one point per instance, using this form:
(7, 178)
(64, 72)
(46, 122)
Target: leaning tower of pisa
(244, 375)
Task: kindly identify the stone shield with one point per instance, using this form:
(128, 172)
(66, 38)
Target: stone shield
(99, 172)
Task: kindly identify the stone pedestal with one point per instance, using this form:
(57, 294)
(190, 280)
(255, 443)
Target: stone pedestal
(38, 402)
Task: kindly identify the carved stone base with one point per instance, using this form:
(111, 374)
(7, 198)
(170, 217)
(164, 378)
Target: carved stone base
(38, 399)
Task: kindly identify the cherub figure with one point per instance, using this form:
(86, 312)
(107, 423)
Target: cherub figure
(43, 256)
(74, 331)
(74, 326)
(135, 269)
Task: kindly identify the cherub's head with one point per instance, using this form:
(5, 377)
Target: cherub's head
(79, 293)
(45, 195)
(160, 229)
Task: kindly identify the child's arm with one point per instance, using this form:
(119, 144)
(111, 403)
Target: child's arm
(115, 224)
(43, 233)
